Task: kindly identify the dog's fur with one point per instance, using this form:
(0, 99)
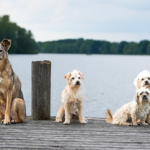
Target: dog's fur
(12, 105)
(143, 80)
(131, 112)
(71, 99)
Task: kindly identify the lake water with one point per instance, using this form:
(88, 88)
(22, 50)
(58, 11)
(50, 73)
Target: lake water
(108, 78)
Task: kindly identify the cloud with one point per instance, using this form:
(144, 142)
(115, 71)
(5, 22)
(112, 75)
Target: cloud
(49, 19)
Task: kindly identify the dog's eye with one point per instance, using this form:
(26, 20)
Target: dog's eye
(141, 93)
(148, 78)
(1, 50)
(147, 93)
(72, 78)
(79, 78)
(142, 79)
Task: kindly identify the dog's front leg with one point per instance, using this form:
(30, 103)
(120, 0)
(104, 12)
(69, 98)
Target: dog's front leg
(2, 110)
(81, 118)
(60, 114)
(134, 118)
(67, 113)
(148, 118)
(8, 106)
(143, 120)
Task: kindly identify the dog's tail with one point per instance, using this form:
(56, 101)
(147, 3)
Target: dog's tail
(109, 116)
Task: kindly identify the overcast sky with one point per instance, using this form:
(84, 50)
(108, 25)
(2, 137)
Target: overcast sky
(111, 20)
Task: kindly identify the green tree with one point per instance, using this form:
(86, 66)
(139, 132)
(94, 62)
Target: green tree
(22, 40)
(148, 48)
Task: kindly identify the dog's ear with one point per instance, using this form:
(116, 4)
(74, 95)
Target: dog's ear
(137, 83)
(82, 75)
(137, 98)
(67, 76)
(6, 43)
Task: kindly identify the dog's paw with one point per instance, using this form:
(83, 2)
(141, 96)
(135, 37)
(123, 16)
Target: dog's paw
(130, 124)
(6, 122)
(58, 120)
(83, 122)
(2, 121)
(66, 122)
(145, 123)
(86, 120)
(13, 122)
(134, 124)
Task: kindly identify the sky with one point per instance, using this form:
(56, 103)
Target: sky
(111, 20)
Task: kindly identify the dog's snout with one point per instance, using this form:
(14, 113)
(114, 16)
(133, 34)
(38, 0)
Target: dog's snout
(78, 83)
(146, 82)
(144, 97)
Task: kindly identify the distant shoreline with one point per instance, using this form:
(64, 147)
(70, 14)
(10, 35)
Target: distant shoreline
(85, 54)
(89, 46)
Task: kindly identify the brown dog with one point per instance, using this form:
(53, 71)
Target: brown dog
(12, 105)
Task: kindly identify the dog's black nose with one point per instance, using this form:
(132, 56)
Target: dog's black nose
(146, 82)
(77, 83)
(144, 97)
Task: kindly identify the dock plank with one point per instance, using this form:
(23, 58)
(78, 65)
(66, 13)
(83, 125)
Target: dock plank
(97, 134)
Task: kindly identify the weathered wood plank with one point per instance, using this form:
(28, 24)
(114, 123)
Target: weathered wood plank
(41, 85)
(94, 135)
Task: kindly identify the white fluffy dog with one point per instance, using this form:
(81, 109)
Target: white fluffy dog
(131, 112)
(71, 99)
(143, 80)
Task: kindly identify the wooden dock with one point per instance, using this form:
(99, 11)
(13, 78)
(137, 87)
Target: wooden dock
(97, 134)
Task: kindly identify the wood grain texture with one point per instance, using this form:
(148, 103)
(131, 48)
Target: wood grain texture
(95, 135)
(41, 85)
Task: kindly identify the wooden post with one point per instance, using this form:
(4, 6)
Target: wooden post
(41, 89)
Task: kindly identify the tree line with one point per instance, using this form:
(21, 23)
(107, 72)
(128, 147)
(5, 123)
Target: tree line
(82, 46)
(23, 43)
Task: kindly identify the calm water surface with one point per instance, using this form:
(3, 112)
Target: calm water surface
(108, 78)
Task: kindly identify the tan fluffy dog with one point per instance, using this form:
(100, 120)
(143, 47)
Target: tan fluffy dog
(131, 112)
(143, 80)
(71, 99)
